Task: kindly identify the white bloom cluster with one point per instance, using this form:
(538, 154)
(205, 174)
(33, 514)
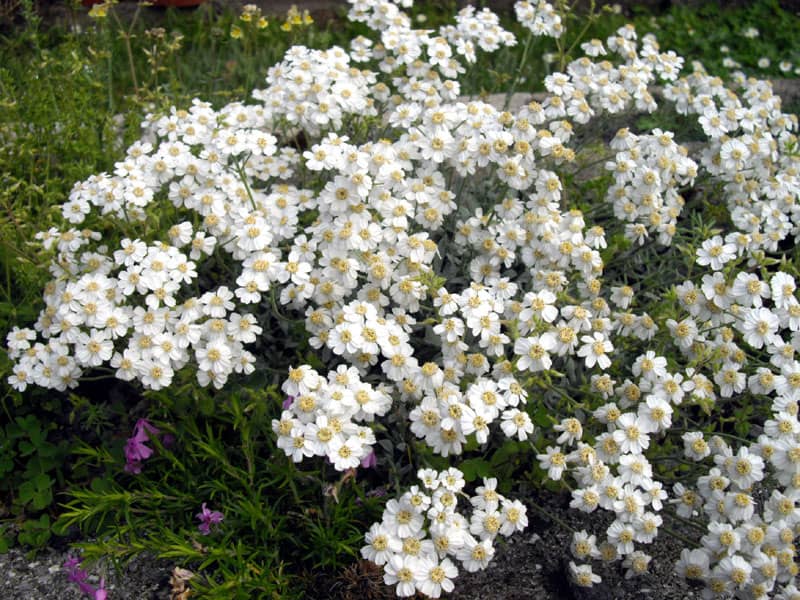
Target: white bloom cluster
(747, 140)
(321, 419)
(316, 89)
(423, 530)
(748, 547)
(540, 17)
(430, 245)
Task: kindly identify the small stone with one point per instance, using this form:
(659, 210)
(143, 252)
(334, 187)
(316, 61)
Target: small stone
(54, 569)
(535, 538)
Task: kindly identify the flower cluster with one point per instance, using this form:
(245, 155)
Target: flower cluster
(321, 417)
(423, 531)
(433, 248)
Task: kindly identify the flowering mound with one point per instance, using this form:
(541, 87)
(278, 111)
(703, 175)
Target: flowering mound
(435, 248)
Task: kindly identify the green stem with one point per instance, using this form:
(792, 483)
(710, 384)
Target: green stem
(685, 521)
(590, 19)
(551, 517)
(518, 76)
(678, 536)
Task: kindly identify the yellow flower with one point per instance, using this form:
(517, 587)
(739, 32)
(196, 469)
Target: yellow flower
(307, 18)
(262, 23)
(245, 17)
(236, 32)
(286, 26)
(99, 11)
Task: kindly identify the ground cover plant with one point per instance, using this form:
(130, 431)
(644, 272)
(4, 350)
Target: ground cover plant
(347, 315)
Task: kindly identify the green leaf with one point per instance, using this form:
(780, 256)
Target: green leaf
(474, 468)
(37, 491)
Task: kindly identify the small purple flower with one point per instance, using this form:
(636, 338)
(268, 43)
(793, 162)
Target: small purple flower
(135, 449)
(77, 575)
(370, 460)
(287, 404)
(207, 518)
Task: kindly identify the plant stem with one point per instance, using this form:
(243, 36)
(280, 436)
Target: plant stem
(551, 517)
(518, 76)
(678, 536)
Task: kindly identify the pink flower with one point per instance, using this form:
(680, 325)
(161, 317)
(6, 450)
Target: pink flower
(207, 518)
(77, 575)
(135, 449)
(370, 460)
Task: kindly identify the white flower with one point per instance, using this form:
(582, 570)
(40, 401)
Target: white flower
(381, 544)
(745, 468)
(584, 546)
(302, 380)
(583, 575)
(693, 564)
(475, 555)
(760, 327)
(715, 253)
(783, 286)
(621, 535)
(93, 349)
(400, 570)
(736, 569)
(748, 290)
(585, 499)
(533, 352)
(216, 357)
(346, 453)
(595, 350)
(694, 446)
(515, 517)
(730, 379)
(631, 435)
(571, 431)
(432, 577)
(553, 461)
(516, 423)
(485, 523)
(154, 374)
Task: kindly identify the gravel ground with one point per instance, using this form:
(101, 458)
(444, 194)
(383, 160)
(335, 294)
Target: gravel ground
(41, 577)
